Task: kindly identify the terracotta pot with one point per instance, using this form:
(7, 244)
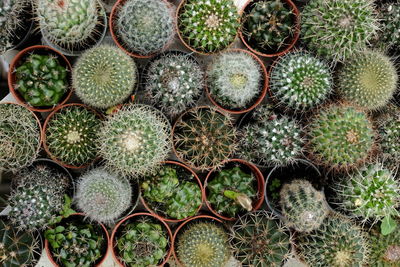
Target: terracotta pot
(105, 234)
(260, 97)
(288, 47)
(114, 36)
(44, 136)
(187, 169)
(260, 187)
(115, 230)
(42, 50)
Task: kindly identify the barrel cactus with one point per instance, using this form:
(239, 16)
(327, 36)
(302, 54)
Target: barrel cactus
(260, 239)
(208, 26)
(389, 137)
(19, 137)
(135, 140)
(337, 29)
(300, 81)
(104, 76)
(72, 135)
(174, 82)
(389, 15)
(385, 249)
(144, 26)
(235, 79)
(103, 196)
(303, 207)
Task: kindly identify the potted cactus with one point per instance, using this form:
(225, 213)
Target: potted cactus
(174, 193)
(141, 239)
(233, 189)
(389, 137)
(384, 248)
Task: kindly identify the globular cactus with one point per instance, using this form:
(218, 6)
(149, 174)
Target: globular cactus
(340, 137)
(300, 81)
(303, 207)
(144, 26)
(385, 249)
(271, 139)
(368, 80)
(204, 138)
(103, 196)
(270, 25)
(260, 239)
(203, 244)
(72, 135)
(19, 137)
(18, 248)
(37, 198)
(208, 26)
(337, 29)
(135, 140)
(174, 82)
(104, 76)
(337, 243)
(389, 15)
(69, 23)
(389, 137)
(234, 79)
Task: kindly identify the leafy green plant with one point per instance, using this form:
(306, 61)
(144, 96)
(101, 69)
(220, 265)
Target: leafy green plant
(385, 249)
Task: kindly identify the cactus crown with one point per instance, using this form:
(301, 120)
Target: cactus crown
(385, 249)
(208, 26)
(303, 207)
(260, 239)
(300, 81)
(204, 138)
(72, 135)
(135, 140)
(104, 76)
(144, 26)
(234, 79)
(102, 196)
(19, 137)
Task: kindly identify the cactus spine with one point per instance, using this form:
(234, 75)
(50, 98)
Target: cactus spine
(385, 250)
(389, 138)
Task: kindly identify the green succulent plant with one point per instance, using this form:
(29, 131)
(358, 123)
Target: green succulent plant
(19, 137)
(260, 239)
(135, 140)
(144, 26)
(389, 137)
(185, 202)
(389, 15)
(104, 76)
(385, 249)
(208, 26)
(300, 81)
(234, 79)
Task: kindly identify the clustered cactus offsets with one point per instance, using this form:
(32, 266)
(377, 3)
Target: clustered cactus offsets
(389, 138)
(389, 25)
(174, 82)
(234, 79)
(135, 140)
(104, 76)
(204, 138)
(208, 26)
(385, 250)
(72, 135)
(144, 26)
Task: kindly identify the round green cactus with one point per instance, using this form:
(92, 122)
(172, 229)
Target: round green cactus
(300, 81)
(144, 26)
(368, 80)
(72, 135)
(135, 140)
(389, 15)
(340, 137)
(102, 196)
(260, 239)
(104, 76)
(389, 137)
(203, 244)
(174, 82)
(208, 26)
(385, 249)
(235, 79)
(337, 29)
(303, 207)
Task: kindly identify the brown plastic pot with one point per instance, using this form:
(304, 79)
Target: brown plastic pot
(115, 230)
(260, 97)
(260, 187)
(44, 136)
(41, 49)
(105, 234)
(186, 168)
(288, 47)
(114, 36)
